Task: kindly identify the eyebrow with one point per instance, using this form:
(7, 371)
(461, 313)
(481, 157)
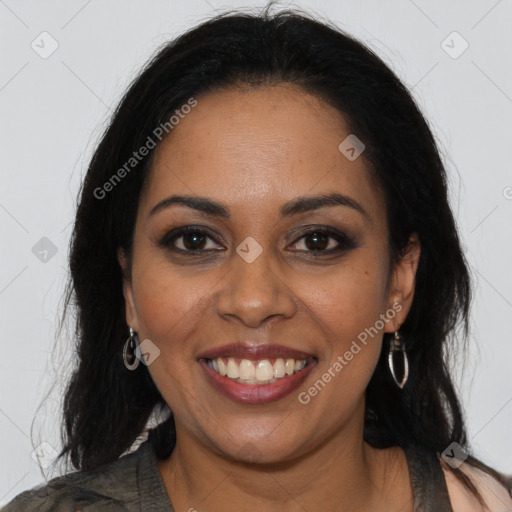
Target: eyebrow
(295, 206)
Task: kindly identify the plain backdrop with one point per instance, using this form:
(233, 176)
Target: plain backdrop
(456, 58)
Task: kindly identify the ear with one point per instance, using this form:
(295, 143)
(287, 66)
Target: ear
(402, 284)
(129, 300)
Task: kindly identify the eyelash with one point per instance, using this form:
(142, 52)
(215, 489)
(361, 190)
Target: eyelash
(345, 242)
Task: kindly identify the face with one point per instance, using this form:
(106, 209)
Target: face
(258, 268)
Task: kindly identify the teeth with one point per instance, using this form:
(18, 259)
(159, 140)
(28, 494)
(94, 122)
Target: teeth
(222, 367)
(279, 368)
(232, 369)
(246, 370)
(264, 370)
(299, 365)
(256, 372)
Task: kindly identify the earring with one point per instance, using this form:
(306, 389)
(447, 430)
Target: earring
(397, 346)
(131, 361)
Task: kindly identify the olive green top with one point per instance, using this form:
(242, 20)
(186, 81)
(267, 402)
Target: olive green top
(133, 483)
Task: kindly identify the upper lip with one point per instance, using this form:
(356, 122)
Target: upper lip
(247, 350)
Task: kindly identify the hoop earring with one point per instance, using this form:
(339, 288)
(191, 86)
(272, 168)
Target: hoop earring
(131, 361)
(397, 346)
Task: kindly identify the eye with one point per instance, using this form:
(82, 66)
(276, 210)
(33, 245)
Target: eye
(188, 239)
(194, 240)
(327, 241)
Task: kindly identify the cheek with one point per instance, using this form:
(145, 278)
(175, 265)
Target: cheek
(350, 317)
(347, 300)
(348, 308)
(169, 305)
(170, 310)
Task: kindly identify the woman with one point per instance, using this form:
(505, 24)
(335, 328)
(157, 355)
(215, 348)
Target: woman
(266, 218)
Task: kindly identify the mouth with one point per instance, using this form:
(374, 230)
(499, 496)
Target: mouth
(256, 374)
(259, 372)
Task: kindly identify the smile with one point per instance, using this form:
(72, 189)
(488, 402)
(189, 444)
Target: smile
(257, 372)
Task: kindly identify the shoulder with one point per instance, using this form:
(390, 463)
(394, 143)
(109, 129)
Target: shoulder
(495, 495)
(112, 487)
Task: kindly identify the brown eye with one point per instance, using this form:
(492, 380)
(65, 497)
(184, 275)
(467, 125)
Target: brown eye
(317, 241)
(189, 239)
(193, 241)
(325, 241)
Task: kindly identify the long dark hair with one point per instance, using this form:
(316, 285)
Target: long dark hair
(106, 407)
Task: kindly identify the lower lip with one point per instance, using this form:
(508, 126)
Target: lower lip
(254, 393)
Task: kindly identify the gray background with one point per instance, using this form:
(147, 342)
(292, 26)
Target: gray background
(53, 109)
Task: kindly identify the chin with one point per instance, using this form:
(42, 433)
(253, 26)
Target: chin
(269, 451)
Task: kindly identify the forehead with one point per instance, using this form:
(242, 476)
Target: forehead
(256, 148)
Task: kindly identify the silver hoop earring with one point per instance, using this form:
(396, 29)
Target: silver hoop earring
(396, 348)
(131, 361)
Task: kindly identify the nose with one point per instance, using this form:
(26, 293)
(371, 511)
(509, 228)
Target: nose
(253, 292)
